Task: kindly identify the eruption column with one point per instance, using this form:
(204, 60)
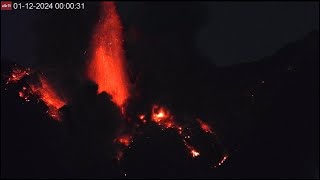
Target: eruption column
(107, 65)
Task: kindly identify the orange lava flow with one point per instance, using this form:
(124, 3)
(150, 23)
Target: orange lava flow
(191, 149)
(42, 90)
(107, 65)
(49, 96)
(162, 117)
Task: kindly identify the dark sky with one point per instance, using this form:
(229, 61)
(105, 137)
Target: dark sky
(246, 31)
(235, 32)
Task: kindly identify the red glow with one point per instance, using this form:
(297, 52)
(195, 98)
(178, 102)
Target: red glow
(191, 149)
(17, 74)
(124, 140)
(42, 90)
(107, 66)
(25, 94)
(49, 96)
(194, 153)
(142, 118)
(162, 117)
(204, 126)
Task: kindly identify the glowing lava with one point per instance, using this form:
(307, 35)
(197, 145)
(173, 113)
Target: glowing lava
(17, 74)
(162, 117)
(204, 126)
(41, 90)
(49, 96)
(191, 149)
(124, 140)
(142, 118)
(107, 67)
(194, 153)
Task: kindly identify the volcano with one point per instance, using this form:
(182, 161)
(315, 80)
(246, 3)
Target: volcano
(151, 112)
(107, 69)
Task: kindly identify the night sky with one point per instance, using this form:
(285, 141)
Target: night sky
(234, 32)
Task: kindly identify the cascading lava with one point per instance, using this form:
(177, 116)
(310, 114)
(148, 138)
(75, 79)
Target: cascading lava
(107, 67)
(41, 89)
(161, 116)
(49, 96)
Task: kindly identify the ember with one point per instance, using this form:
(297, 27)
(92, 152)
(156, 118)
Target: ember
(162, 117)
(124, 140)
(17, 74)
(205, 127)
(222, 161)
(142, 118)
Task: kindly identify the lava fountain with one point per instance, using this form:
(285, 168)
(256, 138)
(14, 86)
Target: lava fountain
(107, 66)
(107, 69)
